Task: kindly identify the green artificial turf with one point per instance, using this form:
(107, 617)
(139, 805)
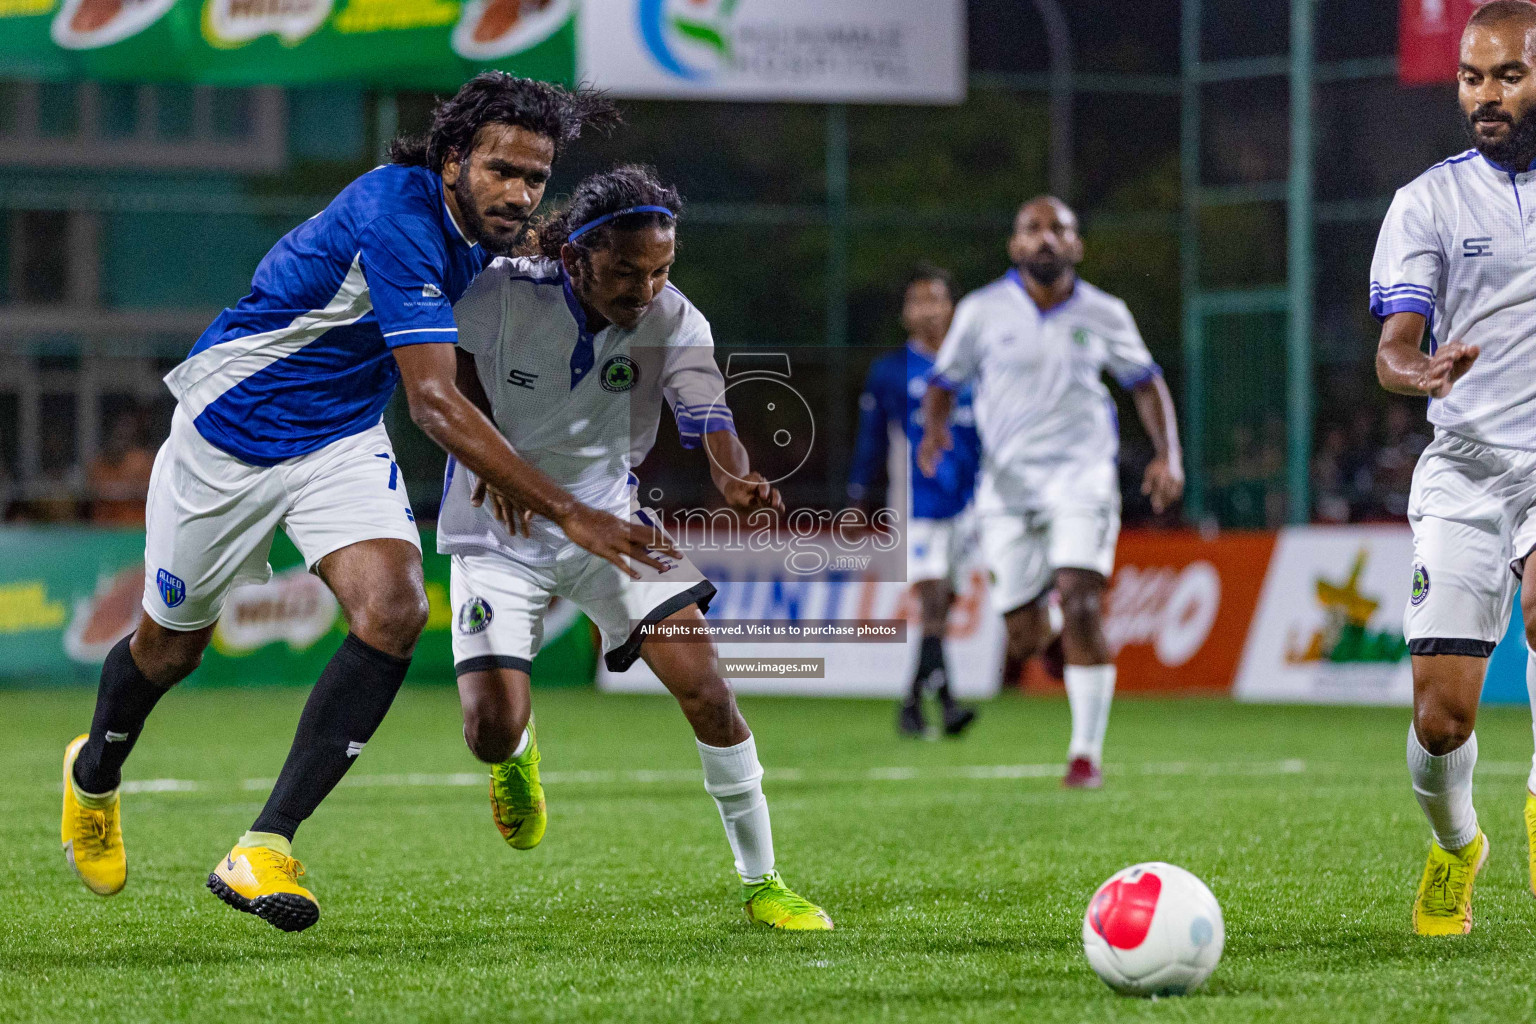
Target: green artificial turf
(957, 872)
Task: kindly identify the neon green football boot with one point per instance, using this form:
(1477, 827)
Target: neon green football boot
(1530, 834)
(774, 904)
(1443, 905)
(517, 797)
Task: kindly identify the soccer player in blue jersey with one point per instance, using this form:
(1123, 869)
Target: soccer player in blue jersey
(278, 423)
(940, 532)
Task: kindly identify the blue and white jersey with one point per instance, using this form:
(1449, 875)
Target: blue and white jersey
(1049, 433)
(304, 359)
(1457, 247)
(582, 406)
(890, 409)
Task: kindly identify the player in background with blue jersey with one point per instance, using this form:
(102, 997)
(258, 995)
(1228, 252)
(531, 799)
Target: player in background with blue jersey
(939, 525)
(278, 423)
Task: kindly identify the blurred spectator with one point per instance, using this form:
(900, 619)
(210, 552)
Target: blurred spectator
(1362, 470)
(1330, 497)
(53, 496)
(1404, 440)
(119, 476)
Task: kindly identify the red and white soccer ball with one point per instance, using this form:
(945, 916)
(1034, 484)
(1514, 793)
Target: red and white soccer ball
(1153, 929)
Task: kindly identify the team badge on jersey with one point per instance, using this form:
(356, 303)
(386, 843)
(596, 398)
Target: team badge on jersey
(619, 374)
(172, 590)
(474, 616)
(1420, 584)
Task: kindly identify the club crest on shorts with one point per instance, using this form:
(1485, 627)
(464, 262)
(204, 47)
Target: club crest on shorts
(1420, 584)
(619, 374)
(474, 616)
(172, 590)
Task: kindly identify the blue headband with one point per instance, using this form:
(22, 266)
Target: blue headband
(605, 218)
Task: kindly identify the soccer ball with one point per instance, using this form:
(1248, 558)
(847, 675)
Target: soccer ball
(1153, 929)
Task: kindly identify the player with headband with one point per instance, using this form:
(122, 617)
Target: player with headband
(572, 352)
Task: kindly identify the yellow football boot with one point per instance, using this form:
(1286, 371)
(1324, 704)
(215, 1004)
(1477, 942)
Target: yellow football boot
(517, 797)
(92, 836)
(774, 904)
(1444, 903)
(1530, 833)
(265, 882)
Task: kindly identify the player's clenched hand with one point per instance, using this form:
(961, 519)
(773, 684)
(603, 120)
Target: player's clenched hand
(1446, 367)
(1163, 483)
(752, 492)
(610, 537)
(514, 517)
(935, 444)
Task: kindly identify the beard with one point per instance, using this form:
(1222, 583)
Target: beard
(497, 243)
(1518, 147)
(1046, 268)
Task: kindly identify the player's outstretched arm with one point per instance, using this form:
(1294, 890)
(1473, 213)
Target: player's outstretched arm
(448, 418)
(938, 403)
(731, 469)
(1163, 482)
(1404, 369)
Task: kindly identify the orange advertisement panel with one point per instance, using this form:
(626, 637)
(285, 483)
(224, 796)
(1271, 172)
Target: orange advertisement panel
(1179, 606)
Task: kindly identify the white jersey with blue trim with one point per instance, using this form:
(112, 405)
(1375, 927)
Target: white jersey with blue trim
(1457, 246)
(582, 406)
(305, 359)
(1049, 432)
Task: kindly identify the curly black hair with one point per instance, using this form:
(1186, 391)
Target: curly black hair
(495, 97)
(926, 271)
(600, 195)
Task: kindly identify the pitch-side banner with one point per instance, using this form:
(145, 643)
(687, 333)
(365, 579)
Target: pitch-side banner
(910, 51)
(1429, 39)
(809, 50)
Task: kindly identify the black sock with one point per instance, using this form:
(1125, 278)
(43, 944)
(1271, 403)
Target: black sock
(930, 659)
(123, 701)
(345, 707)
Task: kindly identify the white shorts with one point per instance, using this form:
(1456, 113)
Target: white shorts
(940, 549)
(499, 605)
(1024, 550)
(1473, 512)
(211, 517)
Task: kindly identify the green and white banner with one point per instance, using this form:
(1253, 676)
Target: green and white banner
(878, 51)
(68, 594)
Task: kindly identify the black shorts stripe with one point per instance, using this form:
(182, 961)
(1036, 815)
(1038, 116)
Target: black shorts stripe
(1429, 645)
(486, 662)
(620, 658)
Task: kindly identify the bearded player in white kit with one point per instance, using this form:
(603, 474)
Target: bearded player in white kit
(1036, 343)
(573, 354)
(1454, 261)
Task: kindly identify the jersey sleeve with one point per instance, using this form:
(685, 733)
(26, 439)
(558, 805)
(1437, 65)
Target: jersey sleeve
(958, 357)
(1126, 355)
(405, 264)
(479, 314)
(873, 445)
(1405, 272)
(693, 385)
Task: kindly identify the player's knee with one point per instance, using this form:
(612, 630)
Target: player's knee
(1530, 629)
(1024, 641)
(1442, 728)
(1081, 611)
(492, 730)
(392, 619)
(166, 663)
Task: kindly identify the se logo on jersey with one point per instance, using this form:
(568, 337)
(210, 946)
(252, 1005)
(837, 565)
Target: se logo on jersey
(1477, 246)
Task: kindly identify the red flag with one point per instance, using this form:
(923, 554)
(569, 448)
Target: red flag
(1429, 39)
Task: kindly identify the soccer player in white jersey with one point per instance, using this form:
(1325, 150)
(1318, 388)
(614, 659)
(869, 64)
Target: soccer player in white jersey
(573, 353)
(1454, 264)
(278, 425)
(1034, 345)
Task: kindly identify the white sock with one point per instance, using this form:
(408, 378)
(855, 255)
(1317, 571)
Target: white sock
(733, 776)
(1090, 691)
(1530, 689)
(1443, 784)
(522, 746)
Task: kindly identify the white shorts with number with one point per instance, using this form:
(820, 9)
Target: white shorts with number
(940, 549)
(1473, 512)
(1023, 550)
(499, 604)
(211, 517)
